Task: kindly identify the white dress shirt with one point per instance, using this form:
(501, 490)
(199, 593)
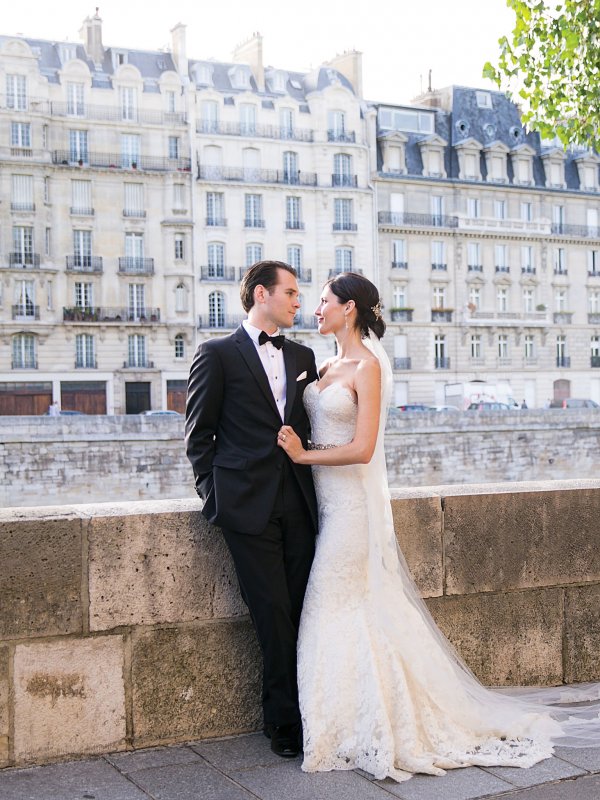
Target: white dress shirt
(274, 364)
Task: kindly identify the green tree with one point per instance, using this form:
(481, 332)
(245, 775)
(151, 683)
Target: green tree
(550, 65)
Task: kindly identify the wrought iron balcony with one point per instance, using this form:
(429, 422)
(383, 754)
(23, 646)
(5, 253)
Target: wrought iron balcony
(84, 263)
(345, 226)
(121, 161)
(259, 131)
(136, 265)
(138, 363)
(560, 271)
(402, 363)
(216, 222)
(577, 231)
(294, 225)
(217, 273)
(254, 223)
(401, 314)
(417, 220)
(333, 272)
(86, 363)
(503, 268)
(22, 206)
(563, 317)
(563, 361)
(219, 322)
(594, 273)
(304, 275)
(338, 179)
(442, 363)
(116, 114)
(399, 264)
(439, 267)
(594, 318)
(341, 136)
(595, 361)
(24, 260)
(26, 363)
(82, 211)
(207, 172)
(88, 314)
(25, 311)
(475, 268)
(138, 213)
(441, 314)
(527, 270)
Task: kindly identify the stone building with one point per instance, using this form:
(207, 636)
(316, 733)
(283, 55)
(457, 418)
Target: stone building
(138, 186)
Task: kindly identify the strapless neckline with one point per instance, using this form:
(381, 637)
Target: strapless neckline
(341, 386)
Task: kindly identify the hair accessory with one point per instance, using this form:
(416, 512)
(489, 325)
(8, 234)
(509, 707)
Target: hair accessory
(376, 309)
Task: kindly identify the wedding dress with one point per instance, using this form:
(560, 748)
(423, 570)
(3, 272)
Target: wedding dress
(380, 687)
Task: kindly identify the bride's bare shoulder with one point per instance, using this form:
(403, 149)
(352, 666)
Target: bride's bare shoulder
(325, 366)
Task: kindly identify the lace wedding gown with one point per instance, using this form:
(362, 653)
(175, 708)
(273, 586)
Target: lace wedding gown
(380, 687)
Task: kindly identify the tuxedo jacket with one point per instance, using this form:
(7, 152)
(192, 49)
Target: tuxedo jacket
(231, 430)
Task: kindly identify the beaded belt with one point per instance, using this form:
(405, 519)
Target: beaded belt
(313, 446)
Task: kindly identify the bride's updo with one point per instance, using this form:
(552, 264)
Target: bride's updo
(351, 286)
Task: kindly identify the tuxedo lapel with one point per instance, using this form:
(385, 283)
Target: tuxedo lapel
(248, 352)
(289, 358)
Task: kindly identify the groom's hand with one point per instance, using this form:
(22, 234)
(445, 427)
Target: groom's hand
(289, 441)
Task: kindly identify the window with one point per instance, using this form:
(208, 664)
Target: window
(179, 346)
(47, 241)
(81, 197)
(474, 298)
(136, 350)
(473, 207)
(558, 218)
(399, 295)
(439, 349)
(247, 119)
(500, 209)
(484, 99)
(560, 300)
(294, 256)
(561, 349)
(181, 297)
(502, 345)
(502, 298)
(136, 300)
(560, 264)
(437, 209)
(45, 137)
(78, 146)
(528, 300)
(128, 103)
(343, 259)
(293, 213)
(84, 295)
(20, 134)
(594, 301)
(476, 349)
(240, 77)
(595, 348)
(336, 123)
(170, 100)
(25, 299)
(216, 310)
(286, 122)
(343, 214)
(404, 119)
(134, 250)
(134, 200)
(439, 297)
(342, 170)
(254, 253)
(215, 208)
(75, 105)
(593, 262)
(527, 259)
(22, 193)
(49, 296)
(253, 211)
(179, 197)
(526, 212)
(529, 346)
(399, 259)
(501, 258)
(23, 245)
(438, 255)
(130, 150)
(173, 147)
(85, 351)
(16, 92)
(203, 73)
(179, 246)
(291, 173)
(82, 248)
(216, 260)
(209, 116)
(23, 351)
(474, 256)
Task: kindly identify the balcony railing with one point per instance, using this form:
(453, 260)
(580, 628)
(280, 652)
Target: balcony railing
(503, 268)
(345, 226)
(401, 314)
(563, 317)
(25, 311)
(441, 363)
(216, 222)
(595, 362)
(98, 314)
(82, 211)
(560, 271)
(138, 363)
(254, 223)
(304, 275)
(336, 271)
(402, 363)
(207, 172)
(344, 180)
(86, 363)
(220, 274)
(594, 273)
(417, 220)
(116, 114)
(578, 231)
(219, 322)
(81, 263)
(260, 131)
(563, 361)
(594, 318)
(135, 265)
(138, 213)
(24, 260)
(527, 270)
(22, 206)
(475, 268)
(121, 161)
(399, 264)
(341, 136)
(439, 267)
(294, 225)
(508, 318)
(441, 315)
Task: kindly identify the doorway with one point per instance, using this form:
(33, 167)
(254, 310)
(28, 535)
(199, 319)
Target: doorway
(137, 397)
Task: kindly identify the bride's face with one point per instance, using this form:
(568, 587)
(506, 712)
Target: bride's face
(330, 312)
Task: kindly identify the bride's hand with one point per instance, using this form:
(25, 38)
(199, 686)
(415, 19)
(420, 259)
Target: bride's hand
(289, 441)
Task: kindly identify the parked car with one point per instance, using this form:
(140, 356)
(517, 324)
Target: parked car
(413, 407)
(161, 413)
(452, 409)
(485, 406)
(65, 414)
(574, 402)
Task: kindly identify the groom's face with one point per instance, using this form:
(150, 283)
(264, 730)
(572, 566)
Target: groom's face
(281, 303)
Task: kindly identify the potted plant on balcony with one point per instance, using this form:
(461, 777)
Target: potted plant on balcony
(540, 307)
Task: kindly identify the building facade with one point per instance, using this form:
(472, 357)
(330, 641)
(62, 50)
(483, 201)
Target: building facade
(137, 187)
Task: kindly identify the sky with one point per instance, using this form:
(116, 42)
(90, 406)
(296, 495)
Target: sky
(401, 40)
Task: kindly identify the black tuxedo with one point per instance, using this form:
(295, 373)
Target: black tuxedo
(263, 502)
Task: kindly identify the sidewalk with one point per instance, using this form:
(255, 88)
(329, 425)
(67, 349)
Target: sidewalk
(243, 768)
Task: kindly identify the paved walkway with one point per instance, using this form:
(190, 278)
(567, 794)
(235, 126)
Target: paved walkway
(243, 768)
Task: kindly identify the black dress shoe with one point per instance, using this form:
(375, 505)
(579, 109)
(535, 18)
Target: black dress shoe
(284, 740)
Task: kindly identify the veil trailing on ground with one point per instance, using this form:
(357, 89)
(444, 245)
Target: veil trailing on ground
(547, 716)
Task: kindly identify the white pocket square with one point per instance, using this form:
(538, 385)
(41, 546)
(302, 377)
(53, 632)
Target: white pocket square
(301, 376)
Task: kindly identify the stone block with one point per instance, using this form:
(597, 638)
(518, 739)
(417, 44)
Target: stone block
(196, 682)
(582, 633)
(69, 698)
(509, 639)
(161, 567)
(4, 682)
(418, 526)
(40, 579)
(499, 542)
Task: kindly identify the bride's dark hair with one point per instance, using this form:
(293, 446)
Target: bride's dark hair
(351, 286)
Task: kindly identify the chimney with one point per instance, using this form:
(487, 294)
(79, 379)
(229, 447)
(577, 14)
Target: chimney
(350, 65)
(91, 34)
(251, 52)
(179, 49)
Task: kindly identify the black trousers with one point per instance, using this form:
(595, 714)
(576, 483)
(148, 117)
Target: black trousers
(272, 569)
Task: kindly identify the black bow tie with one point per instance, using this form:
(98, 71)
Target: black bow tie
(276, 341)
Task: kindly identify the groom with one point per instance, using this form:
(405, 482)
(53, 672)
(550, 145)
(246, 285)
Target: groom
(241, 389)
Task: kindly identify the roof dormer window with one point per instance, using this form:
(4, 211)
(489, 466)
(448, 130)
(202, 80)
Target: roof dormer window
(203, 74)
(67, 52)
(484, 99)
(240, 77)
(119, 57)
(278, 81)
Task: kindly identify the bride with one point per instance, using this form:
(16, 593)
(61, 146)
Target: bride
(380, 687)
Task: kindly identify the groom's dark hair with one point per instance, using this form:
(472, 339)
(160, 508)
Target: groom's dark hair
(263, 273)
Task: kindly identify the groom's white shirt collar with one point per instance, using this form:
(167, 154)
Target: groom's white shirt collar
(273, 363)
(254, 332)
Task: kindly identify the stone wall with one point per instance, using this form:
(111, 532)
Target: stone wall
(121, 625)
(94, 459)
